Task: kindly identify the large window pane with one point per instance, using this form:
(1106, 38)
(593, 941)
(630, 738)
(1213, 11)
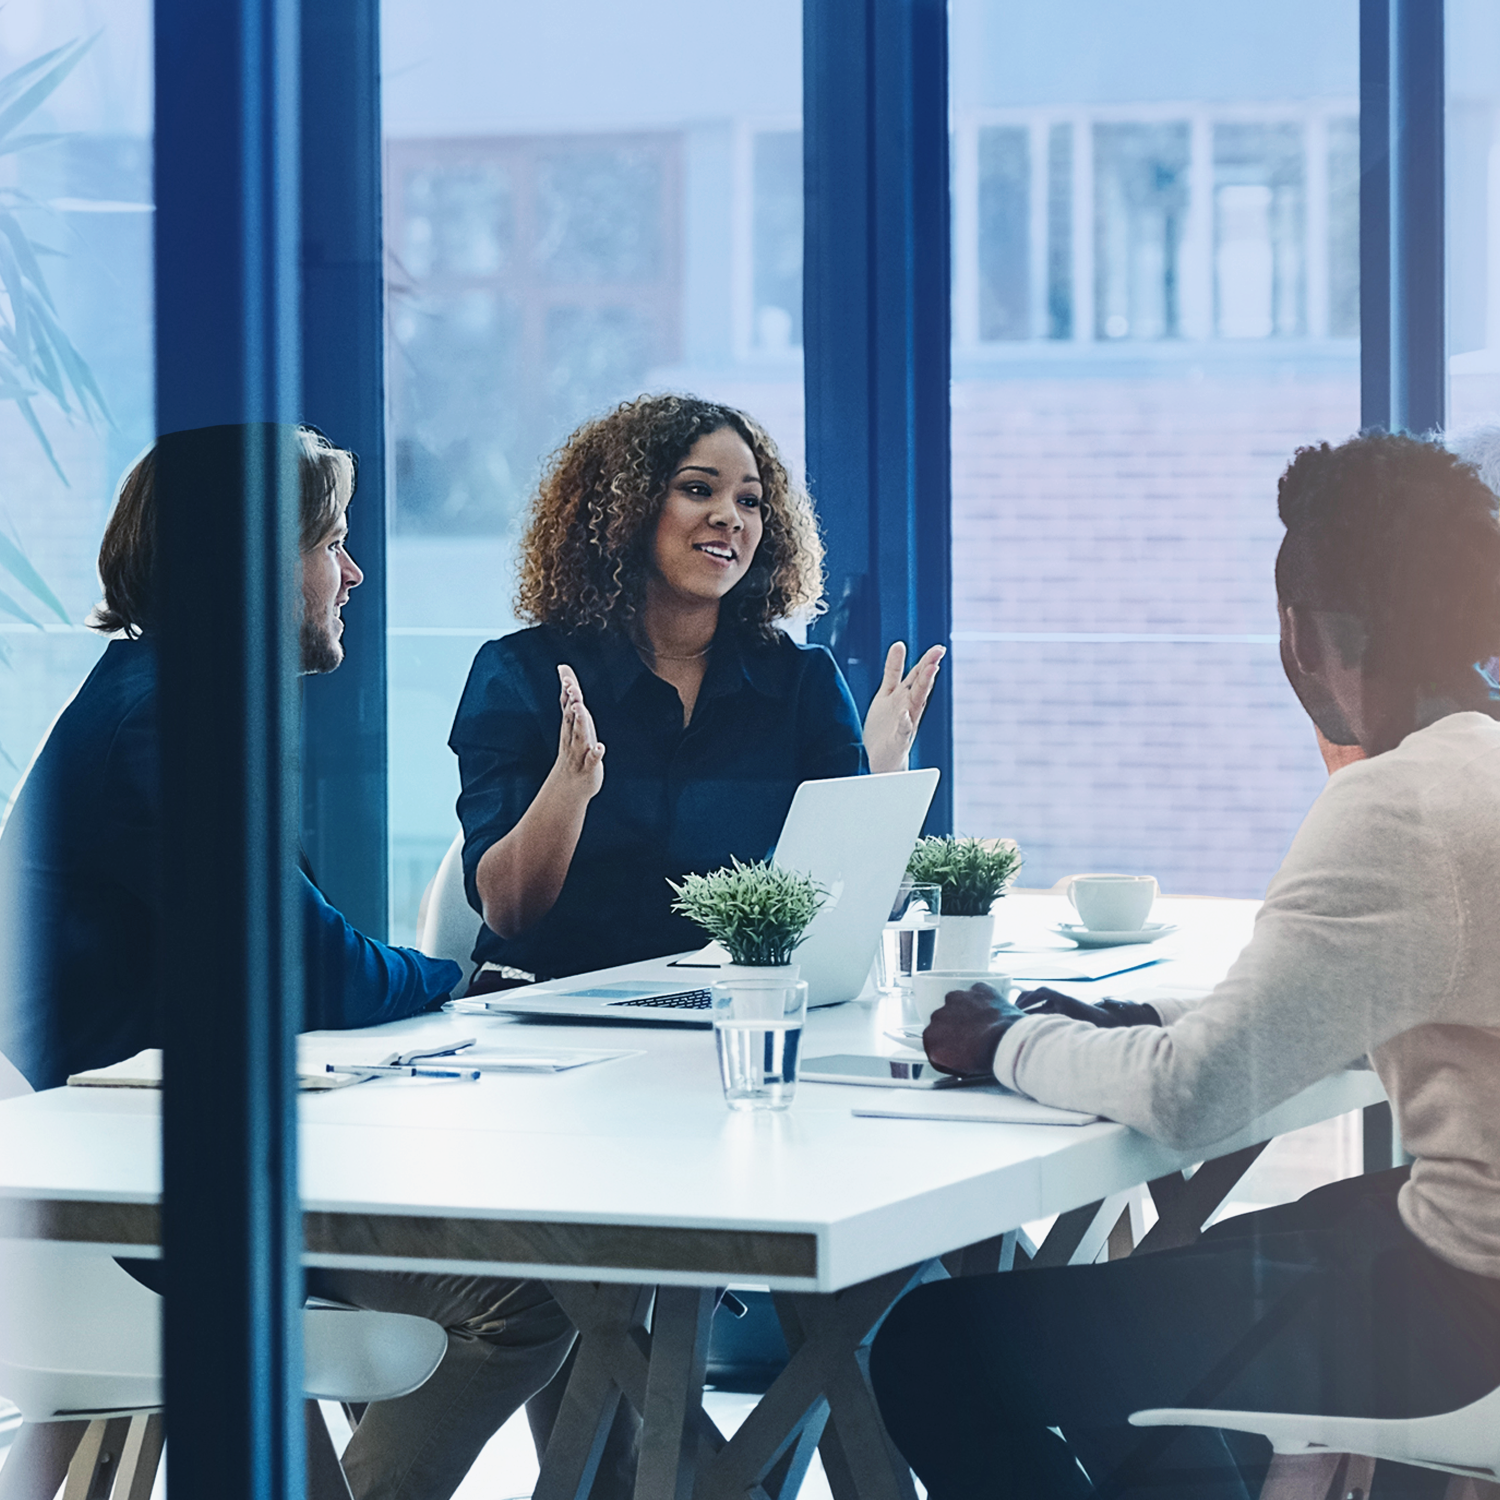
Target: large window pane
(1473, 192)
(1156, 302)
(580, 207)
(76, 373)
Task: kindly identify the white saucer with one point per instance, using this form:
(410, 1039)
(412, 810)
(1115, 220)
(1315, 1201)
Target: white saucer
(1087, 937)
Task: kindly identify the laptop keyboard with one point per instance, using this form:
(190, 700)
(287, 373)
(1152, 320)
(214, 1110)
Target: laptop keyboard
(682, 1000)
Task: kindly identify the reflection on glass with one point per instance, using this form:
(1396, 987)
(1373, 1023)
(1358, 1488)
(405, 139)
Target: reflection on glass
(1343, 228)
(599, 215)
(1471, 148)
(1004, 233)
(577, 212)
(1060, 232)
(1141, 199)
(76, 369)
(534, 285)
(777, 240)
(1258, 231)
(1156, 250)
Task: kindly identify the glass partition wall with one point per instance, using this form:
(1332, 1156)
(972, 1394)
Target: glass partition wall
(1156, 253)
(583, 202)
(1472, 181)
(76, 367)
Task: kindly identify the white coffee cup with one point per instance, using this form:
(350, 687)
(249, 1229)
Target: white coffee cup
(929, 987)
(1112, 903)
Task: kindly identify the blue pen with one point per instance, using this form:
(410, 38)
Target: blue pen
(397, 1070)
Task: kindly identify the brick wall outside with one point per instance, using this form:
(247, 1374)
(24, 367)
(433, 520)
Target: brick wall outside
(1135, 506)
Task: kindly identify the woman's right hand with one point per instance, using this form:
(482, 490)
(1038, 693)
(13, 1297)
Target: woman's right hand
(579, 767)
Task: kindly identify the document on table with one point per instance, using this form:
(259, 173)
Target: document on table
(1049, 966)
(349, 1053)
(143, 1071)
(993, 1106)
(315, 1054)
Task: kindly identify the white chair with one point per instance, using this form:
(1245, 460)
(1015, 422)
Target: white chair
(449, 926)
(1311, 1451)
(80, 1355)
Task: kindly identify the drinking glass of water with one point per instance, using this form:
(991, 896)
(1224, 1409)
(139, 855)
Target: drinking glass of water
(909, 942)
(758, 1016)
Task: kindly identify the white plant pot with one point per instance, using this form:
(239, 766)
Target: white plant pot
(964, 943)
(766, 974)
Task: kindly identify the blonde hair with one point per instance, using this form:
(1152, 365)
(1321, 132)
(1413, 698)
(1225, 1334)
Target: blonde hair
(127, 554)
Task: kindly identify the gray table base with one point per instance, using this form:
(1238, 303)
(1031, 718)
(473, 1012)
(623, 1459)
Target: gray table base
(649, 1346)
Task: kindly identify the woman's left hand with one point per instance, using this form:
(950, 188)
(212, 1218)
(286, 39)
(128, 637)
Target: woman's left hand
(895, 713)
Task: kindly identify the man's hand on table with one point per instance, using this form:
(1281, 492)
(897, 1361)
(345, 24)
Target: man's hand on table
(966, 1028)
(1045, 1002)
(964, 1033)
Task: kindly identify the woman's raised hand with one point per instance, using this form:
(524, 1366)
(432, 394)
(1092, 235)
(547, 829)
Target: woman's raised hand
(898, 705)
(580, 756)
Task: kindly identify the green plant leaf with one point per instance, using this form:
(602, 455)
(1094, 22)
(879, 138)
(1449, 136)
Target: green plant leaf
(24, 407)
(18, 565)
(971, 872)
(10, 605)
(21, 246)
(16, 79)
(759, 911)
(68, 57)
(30, 142)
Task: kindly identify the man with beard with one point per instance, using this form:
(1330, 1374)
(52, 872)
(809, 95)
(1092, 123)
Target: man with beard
(86, 926)
(87, 908)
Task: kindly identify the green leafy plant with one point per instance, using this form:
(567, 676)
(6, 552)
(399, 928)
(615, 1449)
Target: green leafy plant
(36, 355)
(971, 872)
(37, 358)
(758, 912)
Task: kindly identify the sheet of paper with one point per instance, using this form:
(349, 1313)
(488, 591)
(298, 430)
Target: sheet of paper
(994, 1106)
(710, 956)
(354, 1049)
(143, 1071)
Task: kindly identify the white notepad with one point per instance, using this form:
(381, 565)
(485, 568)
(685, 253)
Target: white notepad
(143, 1071)
(992, 1106)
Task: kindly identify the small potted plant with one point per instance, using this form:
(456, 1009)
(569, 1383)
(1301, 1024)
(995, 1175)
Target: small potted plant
(758, 912)
(971, 873)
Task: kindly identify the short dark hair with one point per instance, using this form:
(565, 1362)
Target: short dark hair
(1401, 538)
(127, 553)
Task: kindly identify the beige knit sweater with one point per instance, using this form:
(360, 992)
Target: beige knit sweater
(1379, 935)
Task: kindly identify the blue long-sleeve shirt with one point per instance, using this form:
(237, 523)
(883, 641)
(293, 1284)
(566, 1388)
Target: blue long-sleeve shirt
(769, 716)
(86, 913)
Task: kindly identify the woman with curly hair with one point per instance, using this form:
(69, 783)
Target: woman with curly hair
(665, 542)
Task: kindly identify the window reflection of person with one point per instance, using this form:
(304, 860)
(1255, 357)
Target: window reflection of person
(667, 536)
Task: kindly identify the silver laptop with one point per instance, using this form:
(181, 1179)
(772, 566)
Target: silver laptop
(853, 835)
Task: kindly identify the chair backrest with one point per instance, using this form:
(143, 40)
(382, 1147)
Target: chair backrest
(449, 926)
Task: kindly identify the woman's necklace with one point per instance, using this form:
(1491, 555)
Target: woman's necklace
(691, 656)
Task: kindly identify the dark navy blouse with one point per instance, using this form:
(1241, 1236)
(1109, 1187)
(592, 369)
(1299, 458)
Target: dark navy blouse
(86, 916)
(769, 716)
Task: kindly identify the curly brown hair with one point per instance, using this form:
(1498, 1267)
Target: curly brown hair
(584, 556)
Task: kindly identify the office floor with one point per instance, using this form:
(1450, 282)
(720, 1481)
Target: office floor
(506, 1470)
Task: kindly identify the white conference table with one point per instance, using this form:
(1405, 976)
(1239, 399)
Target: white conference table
(632, 1190)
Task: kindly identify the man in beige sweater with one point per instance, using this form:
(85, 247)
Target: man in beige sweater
(1378, 938)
